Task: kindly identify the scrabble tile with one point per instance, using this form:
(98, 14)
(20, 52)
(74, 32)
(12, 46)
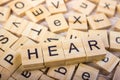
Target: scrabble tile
(103, 34)
(10, 60)
(32, 57)
(74, 51)
(75, 34)
(114, 40)
(61, 72)
(98, 21)
(34, 31)
(45, 77)
(36, 2)
(15, 25)
(57, 23)
(6, 39)
(19, 6)
(56, 6)
(38, 13)
(4, 74)
(53, 54)
(117, 25)
(78, 22)
(83, 6)
(85, 72)
(117, 72)
(4, 13)
(107, 7)
(108, 63)
(26, 75)
(22, 41)
(94, 48)
(3, 1)
(51, 37)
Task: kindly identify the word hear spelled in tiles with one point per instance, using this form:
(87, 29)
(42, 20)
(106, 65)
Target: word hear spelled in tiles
(59, 39)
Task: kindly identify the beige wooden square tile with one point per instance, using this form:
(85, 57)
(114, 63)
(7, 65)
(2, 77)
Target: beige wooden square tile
(11, 78)
(51, 37)
(108, 63)
(37, 13)
(10, 60)
(53, 54)
(74, 51)
(103, 34)
(61, 72)
(78, 21)
(4, 13)
(57, 23)
(85, 72)
(94, 48)
(99, 21)
(114, 40)
(118, 8)
(21, 74)
(83, 6)
(32, 57)
(16, 25)
(34, 31)
(107, 7)
(75, 34)
(22, 41)
(56, 6)
(19, 6)
(6, 40)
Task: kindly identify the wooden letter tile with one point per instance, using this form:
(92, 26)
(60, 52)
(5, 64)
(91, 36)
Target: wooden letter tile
(6, 39)
(98, 21)
(34, 31)
(61, 72)
(3, 1)
(32, 57)
(10, 60)
(94, 48)
(83, 6)
(19, 6)
(21, 74)
(78, 21)
(22, 41)
(51, 37)
(53, 54)
(38, 13)
(108, 63)
(4, 13)
(15, 25)
(85, 72)
(114, 41)
(74, 51)
(57, 23)
(107, 7)
(56, 6)
(103, 34)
